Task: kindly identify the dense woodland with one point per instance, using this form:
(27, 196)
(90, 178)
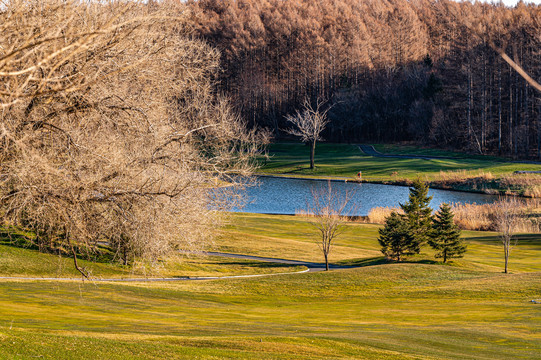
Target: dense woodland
(392, 70)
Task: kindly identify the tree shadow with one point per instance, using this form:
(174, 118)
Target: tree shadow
(378, 260)
(18, 239)
(523, 239)
(254, 264)
(15, 239)
(382, 260)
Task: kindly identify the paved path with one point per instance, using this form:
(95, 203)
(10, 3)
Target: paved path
(312, 267)
(371, 151)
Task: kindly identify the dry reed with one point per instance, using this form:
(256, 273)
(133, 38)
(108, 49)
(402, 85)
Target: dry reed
(378, 215)
(476, 216)
(482, 216)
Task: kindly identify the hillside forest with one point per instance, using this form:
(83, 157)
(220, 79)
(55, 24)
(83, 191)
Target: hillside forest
(421, 71)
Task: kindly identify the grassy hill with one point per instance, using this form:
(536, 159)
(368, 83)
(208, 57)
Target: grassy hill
(415, 310)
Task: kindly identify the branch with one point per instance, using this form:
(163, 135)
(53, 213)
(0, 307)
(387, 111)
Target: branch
(179, 137)
(517, 67)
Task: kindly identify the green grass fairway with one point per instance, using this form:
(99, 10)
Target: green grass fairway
(345, 161)
(412, 311)
(415, 310)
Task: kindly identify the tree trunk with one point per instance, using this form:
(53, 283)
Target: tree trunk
(326, 262)
(539, 132)
(499, 111)
(506, 251)
(312, 154)
(74, 252)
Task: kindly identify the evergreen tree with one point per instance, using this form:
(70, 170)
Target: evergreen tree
(396, 238)
(417, 212)
(445, 235)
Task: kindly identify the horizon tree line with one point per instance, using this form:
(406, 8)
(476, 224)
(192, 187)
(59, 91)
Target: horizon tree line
(422, 71)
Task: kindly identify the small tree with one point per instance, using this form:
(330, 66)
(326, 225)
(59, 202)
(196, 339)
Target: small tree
(396, 238)
(327, 209)
(506, 218)
(417, 212)
(445, 235)
(309, 124)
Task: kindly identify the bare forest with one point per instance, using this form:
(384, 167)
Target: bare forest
(430, 72)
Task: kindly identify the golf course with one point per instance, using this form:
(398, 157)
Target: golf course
(418, 309)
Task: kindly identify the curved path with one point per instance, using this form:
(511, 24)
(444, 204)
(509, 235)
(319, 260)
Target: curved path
(371, 151)
(312, 267)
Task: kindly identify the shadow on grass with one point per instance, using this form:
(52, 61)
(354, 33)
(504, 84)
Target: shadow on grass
(254, 264)
(382, 260)
(13, 238)
(523, 239)
(378, 260)
(22, 239)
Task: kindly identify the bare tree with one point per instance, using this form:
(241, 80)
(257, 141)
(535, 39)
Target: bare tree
(109, 126)
(327, 210)
(309, 124)
(507, 218)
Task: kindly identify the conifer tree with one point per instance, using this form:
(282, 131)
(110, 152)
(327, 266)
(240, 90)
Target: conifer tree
(417, 212)
(396, 238)
(445, 235)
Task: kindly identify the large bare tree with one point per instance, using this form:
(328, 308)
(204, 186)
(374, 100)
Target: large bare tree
(109, 127)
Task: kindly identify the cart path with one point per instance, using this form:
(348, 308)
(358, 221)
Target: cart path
(371, 151)
(311, 267)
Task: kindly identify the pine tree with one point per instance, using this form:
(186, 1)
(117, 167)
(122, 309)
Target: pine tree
(417, 212)
(445, 235)
(396, 238)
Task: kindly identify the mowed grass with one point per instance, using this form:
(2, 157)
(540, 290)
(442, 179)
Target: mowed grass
(24, 262)
(294, 237)
(396, 311)
(345, 161)
(416, 310)
(401, 149)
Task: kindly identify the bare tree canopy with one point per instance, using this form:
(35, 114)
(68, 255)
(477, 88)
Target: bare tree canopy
(309, 124)
(327, 209)
(109, 126)
(507, 218)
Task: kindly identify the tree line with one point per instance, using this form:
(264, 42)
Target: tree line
(395, 70)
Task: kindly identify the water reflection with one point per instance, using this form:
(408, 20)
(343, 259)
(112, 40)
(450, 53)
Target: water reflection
(289, 196)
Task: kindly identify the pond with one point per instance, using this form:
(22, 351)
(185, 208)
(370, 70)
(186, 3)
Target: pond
(290, 196)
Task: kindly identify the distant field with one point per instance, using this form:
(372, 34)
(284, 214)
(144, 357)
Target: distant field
(416, 310)
(342, 160)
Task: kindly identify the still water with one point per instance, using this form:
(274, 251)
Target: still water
(289, 196)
